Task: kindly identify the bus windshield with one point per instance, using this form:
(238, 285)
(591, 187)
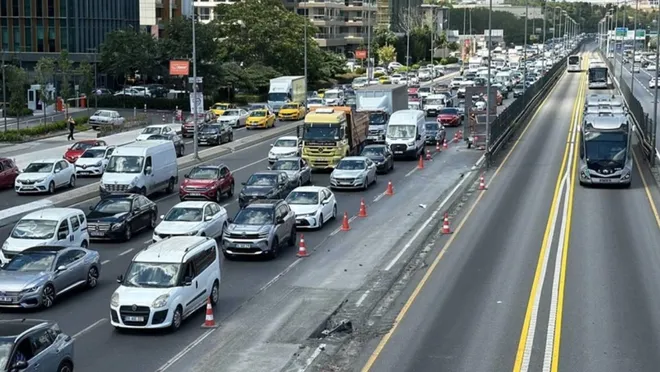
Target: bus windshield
(598, 74)
(574, 60)
(607, 149)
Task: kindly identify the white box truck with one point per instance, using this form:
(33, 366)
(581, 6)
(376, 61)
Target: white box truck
(285, 89)
(380, 102)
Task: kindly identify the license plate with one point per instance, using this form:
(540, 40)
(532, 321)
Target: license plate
(203, 142)
(373, 138)
(195, 194)
(96, 233)
(134, 319)
(605, 180)
(243, 245)
(29, 188)
(6, 299)
(398, 152)
(84, 172)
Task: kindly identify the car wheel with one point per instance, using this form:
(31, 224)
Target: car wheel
(65, 367)
(231, 137)
(293, 237)
(274, 249)
(300, 182)
(84, 244)
(230, 193)
(48, 296)
(334, 212)
(321, 221)
(218, 196)
(152, 221)
(177, 318)
(128, 233)
(143, 191)
(170, 186)
(51, 187)
(215, 293)
(92, 277)
(72, 182)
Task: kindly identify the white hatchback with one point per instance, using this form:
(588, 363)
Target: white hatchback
(312, 205)
(93, 161)
(45, 176)
(192, 218)
(284, 147)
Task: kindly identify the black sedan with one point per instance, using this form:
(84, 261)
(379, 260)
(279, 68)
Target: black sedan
(215, 134)
(179, 146)
(119, 216)
(381, 155)
(265, 185)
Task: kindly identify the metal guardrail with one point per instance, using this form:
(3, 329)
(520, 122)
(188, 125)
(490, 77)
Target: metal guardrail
(646, 131)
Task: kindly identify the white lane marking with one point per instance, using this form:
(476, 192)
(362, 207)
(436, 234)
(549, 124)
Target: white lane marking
(147, 242)
(362, 298)
(126, 252)
(378, 197)
(105, 262)
(278, 276)
(312, 357)
(90, 327)
(185, 351)
(411, 172)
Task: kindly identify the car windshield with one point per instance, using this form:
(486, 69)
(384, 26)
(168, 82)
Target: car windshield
(303, 198)
(258, 114)
(81, 146)
(449, 111)
(93, 153)
(262, 180)
(152, 130)
(39, 168)
(105, 114)
(378, 118)
(113, 206)
(331, 95)
(290, 106)
(211, 129)
(351, 165)
(231, 113)
(184, 214)
(125, 164)
(152, 275)
(424, 90)
(34, 229)
(520, 87)
(285, 143)
(204, 173)
(432, 126)
(254, 216)
(31, 261)
(286, 165)
(321, 133)
(156, 137)
(315, 101)
(400, 131)
(436, 102)
(220, 106)
(373, 151)
(5, 351)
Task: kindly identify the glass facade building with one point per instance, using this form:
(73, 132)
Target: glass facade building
(50, 26)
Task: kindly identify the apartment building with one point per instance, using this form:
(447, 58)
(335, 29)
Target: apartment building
(154, 13)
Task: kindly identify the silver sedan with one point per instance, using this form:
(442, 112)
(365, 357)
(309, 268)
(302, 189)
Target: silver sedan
(353, 172)
(36, 276)
(296, 168)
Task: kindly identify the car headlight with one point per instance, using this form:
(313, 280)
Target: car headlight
(264, 234)
(271, 154)
(193, 233)
(160, 301)
(117, 226)
(114, 300)
(411, 143)
(40, 180)
(133, 183)
(31, 289)
(5, 245)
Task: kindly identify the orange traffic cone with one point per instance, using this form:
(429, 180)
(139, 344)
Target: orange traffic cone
(460, 134)
(420, 164)
(302, 248)
(363, 209)
(444, 145)
(482, 182)
(428, 155)
(445, 225)
(455, 136)
(437, 146)
(209, 322)
(344, 224)
(390, 189)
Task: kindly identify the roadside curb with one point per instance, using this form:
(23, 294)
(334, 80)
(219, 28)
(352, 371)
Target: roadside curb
(87, 192)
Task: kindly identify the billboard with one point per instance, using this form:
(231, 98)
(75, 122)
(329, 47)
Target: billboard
(179, 68)
(361, 54)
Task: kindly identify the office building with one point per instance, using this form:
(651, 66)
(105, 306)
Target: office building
(392, 13)
(30, 28)
(155, 13)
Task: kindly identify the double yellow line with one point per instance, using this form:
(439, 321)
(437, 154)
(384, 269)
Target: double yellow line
(572, 147)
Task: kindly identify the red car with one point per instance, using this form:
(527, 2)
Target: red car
(210, 182)
(73, 153)
(450, 117)
(8, 173)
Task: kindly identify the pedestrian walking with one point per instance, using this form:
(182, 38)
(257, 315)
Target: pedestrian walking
(72, 126)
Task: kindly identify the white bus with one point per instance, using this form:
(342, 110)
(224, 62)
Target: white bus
(574, 63)
(598, 78)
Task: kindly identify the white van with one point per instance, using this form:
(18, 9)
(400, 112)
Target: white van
(49, 226)
(142, 167)
(167, 282)
(505, 79)
(406, 133)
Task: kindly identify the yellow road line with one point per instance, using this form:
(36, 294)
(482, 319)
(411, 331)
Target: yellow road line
(517, 366)
(647, 190)
(564, 259)
(406, 307)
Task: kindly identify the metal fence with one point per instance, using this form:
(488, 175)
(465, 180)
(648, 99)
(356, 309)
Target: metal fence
(646, 128)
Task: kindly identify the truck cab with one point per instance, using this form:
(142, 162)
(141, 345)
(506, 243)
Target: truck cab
(286, 89)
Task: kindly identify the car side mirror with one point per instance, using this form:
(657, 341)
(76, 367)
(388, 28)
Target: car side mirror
(57, 171)
(147, 170)
(186, 176)
(279, 220)
(243, 183)
(91, 207)
(20, 365)
(270, 168)
(61, 268)
(187, 281)
(419, 137)
(61, 236)
(325, 201)
(208, 218)
(162, 216)
(230, 220)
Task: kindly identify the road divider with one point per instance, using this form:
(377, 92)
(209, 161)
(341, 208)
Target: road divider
(12, 215)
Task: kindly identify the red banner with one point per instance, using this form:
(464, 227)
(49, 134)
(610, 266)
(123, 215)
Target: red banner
(361, 54)
(179, 68)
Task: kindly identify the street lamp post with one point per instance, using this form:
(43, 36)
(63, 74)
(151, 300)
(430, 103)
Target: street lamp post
(525, 50)
(408, 29)
(622, 42)
(194, 63)
(488, 85)
(632, 76)
(4, 89)
(655, 95)
(369, 77)
(305, 54)
(96, 80)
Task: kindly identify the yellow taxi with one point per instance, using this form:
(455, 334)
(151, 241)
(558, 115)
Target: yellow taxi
(320, 93)
(385, 80)
(260, 119)
(292, 111)
(219, 108)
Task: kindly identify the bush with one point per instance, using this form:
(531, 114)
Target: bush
(169, 104)
(378, 74)
(21, 135)
(361, 70)
(402, 69)
(244, 99)
(415, 66)
(24, 111)
(448, 61)
(346, 78)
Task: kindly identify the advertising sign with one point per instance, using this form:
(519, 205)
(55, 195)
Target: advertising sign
(199, 83)
(361, 54)
(197, 100)
(179, 68)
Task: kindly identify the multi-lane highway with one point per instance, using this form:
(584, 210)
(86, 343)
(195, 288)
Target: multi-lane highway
(85, 315)
(540, 273)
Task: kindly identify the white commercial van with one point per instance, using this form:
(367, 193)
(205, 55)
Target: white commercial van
(406, 133)
(505, 79)
(142, 167)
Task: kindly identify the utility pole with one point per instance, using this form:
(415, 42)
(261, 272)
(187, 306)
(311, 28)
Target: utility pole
(525, 49)
(4, 89)
(305, 53)
(433, 21)
(488, 86)
(544, 18)
(622, 42)
(194, 63)
(655, 96)
(632, 76)
(408, 29)
(369, 77)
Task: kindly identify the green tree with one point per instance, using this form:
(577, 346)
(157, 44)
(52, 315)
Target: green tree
(383, 36)
(386, 54)
(16, 84)
(85, 73)
(45, 72)
(65, 70)
(126, 52)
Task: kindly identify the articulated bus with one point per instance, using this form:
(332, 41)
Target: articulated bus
(574, 63)
(598, 78)
(605, 150)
